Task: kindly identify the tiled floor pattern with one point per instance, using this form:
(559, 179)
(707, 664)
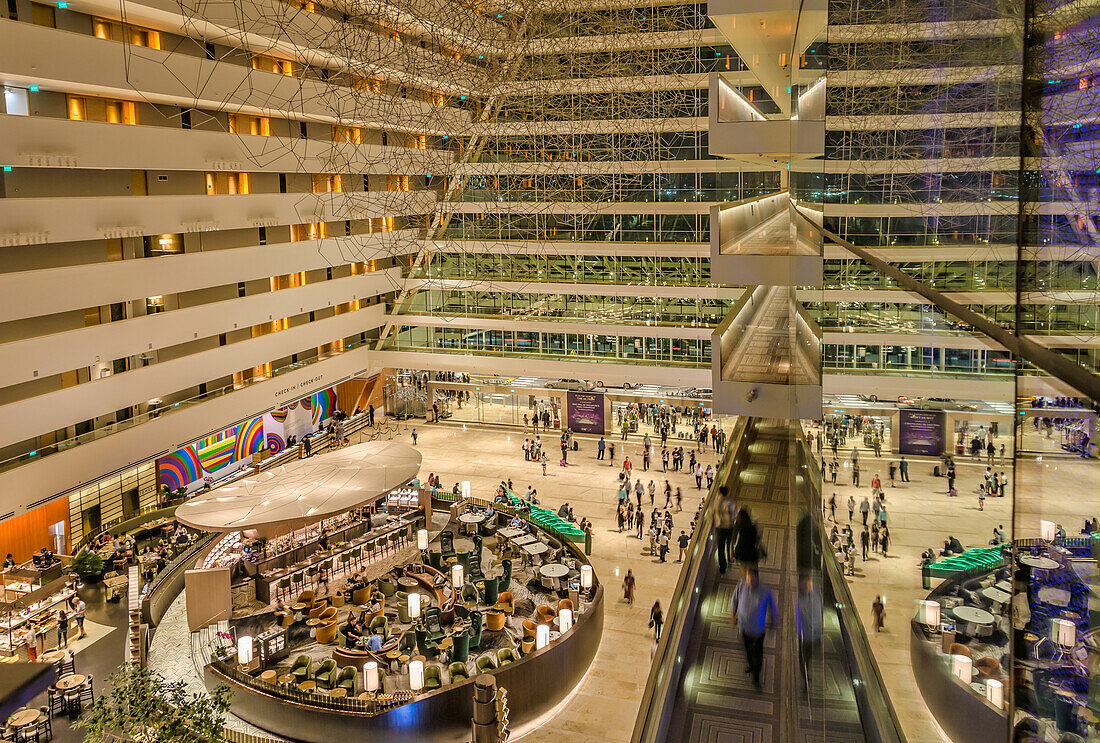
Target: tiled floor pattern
(718, 701)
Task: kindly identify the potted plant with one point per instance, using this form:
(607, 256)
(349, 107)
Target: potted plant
(89, 567)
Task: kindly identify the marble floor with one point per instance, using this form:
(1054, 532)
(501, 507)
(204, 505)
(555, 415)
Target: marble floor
(605, 705)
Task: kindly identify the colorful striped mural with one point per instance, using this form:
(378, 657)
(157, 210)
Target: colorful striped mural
(217, 456)
(179, 469)
(250, 438)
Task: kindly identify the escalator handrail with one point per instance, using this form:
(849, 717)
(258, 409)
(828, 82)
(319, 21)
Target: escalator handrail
(661, 687)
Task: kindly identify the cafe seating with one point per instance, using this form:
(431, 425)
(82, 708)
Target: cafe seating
(325, 676)
(403, 615)
(468, 594)
(959, 649)
(424, 644)
(380, 625)
(491, 591)
(476, 621)
(506, 656)
(433, 624)
(457, 671)
(345, 679)
(505, 581)
(566, 604)
(360, 596)
(301, 668)
(545, 614)
(433, 677)
(387, 586)
(319, 608)
(988, 667)
(305, 597)
(326, 630)
(282, 588)
(486, 662)
(435, 559)
(460, 647)
(494, 620)
(446, 544)
(506, 603)
(56, 701)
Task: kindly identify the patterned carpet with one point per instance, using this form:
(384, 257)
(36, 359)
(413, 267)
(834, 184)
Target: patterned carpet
(717, 703)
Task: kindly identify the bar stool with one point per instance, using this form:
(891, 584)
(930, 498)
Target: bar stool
(297, 581)
(395, 541)
(311, 576)
(357, 555)
(345, 562)
(282, 589)
(368, 550)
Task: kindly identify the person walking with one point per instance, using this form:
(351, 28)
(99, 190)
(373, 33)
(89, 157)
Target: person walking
(628, 587)
(79, 610)
(682, 542)
(882, 515)
(639, 522)
(893, 472)
(876, 484)
(414, 435)
(725, 513)
(851, 507)
(832, 507)
(699, 476)
(656, 619)
(679, 500)
(874, 536)
(62, 629)
(903, 470)
(884, 540)
(662, 544)
(855, 474)
(746, 540)
(864, 541)
(878, 610)
(611, 454)
(544, 464)
(864, 510)
(621, 517)
(601, 445)
(981, 497)
(668, 493)
(751, 606)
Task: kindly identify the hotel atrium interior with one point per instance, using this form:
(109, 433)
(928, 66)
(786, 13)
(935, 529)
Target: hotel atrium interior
(350, 348)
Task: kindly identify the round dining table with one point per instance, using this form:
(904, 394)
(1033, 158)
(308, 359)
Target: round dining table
(553, 570)
(973, 615)
(73, 680)
(996, 595)
(23, 718)
(53, 656)
(1038, 562)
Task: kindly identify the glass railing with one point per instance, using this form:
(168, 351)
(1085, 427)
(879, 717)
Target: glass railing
(110, 429)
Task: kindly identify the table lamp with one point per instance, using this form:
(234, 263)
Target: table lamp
(1063, 632)
(1047, 530)
(244, 650)
(457, 575)
(963, 667)
(586, 579)
(565, 620)
(414, 605)
(930, 613)
(422, 539)
(542, 636)
(416, 675)
(995, 693)
(370, 673)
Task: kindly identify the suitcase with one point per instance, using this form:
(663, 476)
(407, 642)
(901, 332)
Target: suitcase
(936, 471)
(576, 446)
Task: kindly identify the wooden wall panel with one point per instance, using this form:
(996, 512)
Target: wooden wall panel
(29, 532)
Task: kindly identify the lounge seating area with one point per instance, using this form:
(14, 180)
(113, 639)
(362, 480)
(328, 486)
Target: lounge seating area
(456, 632)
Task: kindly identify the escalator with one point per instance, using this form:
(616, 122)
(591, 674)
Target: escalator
(698, 689)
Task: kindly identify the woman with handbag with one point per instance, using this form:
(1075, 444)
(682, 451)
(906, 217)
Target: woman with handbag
(656, 619)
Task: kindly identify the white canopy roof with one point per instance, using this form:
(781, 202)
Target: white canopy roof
(305, 490)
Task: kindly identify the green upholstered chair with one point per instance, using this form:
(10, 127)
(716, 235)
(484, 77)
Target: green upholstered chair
(476, 624)
(346, 679)
(446, 544)
(426, 646)
(301, 668)
(433, 623)
(468, 594)
(486, 663)
(407, 643)
(387, 586)
(506, 656)
(380, 626)
(460, 650)
(457, 671)
(505, 582)
(325, 675)
(403, 615)
(492, 591)
(435, 559)
(433, 677)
